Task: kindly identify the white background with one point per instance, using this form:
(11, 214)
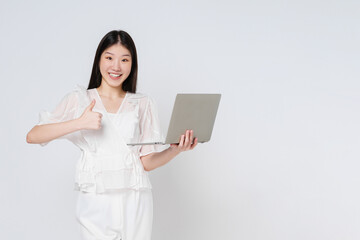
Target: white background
(283, 161)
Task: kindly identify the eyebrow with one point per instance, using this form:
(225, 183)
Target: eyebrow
(122, 55)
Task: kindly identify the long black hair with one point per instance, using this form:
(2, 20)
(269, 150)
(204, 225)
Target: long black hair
(111, 38)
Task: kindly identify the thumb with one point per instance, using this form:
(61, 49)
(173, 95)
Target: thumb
(91, 106)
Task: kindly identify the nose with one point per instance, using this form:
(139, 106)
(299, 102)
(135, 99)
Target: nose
(117, 65)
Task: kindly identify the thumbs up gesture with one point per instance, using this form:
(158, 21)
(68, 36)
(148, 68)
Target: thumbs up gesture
(90, 119)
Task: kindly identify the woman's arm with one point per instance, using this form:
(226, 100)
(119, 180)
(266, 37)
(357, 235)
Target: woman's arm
(47, 132)
(155, 160)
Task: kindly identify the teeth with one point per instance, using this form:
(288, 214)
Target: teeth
(114, 75)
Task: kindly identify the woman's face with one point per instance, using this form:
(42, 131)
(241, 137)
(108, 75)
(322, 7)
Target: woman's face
(115, 65)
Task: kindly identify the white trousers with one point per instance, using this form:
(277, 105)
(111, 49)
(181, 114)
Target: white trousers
(126, 214)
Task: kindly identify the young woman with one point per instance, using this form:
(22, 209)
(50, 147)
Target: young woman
(115, 198)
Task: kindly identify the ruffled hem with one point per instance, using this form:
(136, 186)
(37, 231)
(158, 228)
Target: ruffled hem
(100, 173)
(112, 180)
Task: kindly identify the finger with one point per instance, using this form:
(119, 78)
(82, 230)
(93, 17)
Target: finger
(191, 136)
(91, 106)
(194, 144)
(187, 139)
(190, 139)
(181, 143)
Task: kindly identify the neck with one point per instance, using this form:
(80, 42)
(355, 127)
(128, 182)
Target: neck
(111, 92)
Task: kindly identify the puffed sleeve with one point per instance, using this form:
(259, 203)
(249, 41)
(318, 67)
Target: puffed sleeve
(150, 129)
(64, 111)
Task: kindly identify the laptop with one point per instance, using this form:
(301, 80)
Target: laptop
(195, 112)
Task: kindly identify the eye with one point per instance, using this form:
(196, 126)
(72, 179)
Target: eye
(125, 60)
(108, 58)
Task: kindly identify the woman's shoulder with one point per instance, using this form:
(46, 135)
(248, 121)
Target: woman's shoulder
(80, 89)
(143, 97)
(79, 93)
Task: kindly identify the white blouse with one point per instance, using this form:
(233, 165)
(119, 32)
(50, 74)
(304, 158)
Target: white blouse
(106, 162)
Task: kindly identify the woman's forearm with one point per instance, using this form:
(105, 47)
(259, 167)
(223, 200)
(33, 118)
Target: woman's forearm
(47, 132)
(155, 160)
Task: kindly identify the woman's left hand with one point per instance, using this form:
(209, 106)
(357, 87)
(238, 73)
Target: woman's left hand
(187, 142)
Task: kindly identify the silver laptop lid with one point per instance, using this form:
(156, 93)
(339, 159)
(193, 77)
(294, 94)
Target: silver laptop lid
(193, 111)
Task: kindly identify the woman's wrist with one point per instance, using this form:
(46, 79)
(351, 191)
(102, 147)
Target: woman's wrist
(78, 124)
(173, 150)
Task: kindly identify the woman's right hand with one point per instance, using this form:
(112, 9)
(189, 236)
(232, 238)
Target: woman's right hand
(90, 119)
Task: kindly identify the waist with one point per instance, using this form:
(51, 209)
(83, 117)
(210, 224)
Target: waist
(99, 172)
(108, 161)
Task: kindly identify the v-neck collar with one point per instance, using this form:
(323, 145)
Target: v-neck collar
(107, 114)
(102, 104)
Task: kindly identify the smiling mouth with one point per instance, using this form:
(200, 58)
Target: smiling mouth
(115, 75)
